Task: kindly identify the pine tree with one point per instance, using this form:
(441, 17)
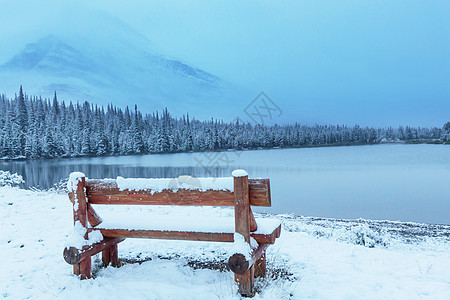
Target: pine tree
(189, 139)
(138, 142)
(51, 150)
(55, 108)
(22, 122)
(446, 132)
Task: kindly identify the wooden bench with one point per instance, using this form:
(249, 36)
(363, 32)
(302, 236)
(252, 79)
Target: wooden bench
(237, 191)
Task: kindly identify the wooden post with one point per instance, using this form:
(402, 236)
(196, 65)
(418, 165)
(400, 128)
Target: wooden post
(93, 218)
(114, 256)
(260, 266)
(106, 259)
(253, 225)
(239, 264)
(242, 226)
(74, 256)
(80, 215)
(110, 255)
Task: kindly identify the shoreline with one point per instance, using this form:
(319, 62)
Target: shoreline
(411, 142)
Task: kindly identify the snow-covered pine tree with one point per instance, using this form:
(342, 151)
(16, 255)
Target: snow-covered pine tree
(35, 128)
(21, 120)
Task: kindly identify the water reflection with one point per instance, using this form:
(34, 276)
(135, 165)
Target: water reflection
(44, 174)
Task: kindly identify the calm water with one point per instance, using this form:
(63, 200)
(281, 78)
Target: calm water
(394, 182)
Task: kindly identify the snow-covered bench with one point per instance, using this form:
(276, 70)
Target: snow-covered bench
(250, 236)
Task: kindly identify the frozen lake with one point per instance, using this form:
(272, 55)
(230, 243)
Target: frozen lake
(394, 182)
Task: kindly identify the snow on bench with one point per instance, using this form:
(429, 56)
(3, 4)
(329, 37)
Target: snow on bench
(141, 225)
(157, 185)
(250, 236)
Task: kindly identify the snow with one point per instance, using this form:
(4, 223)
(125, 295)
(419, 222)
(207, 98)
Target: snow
(180, 219)
(239, 173)
(8, 179)
(157, 185)
(74, 178)
(76, 237)
(241, 246)
(315, 258)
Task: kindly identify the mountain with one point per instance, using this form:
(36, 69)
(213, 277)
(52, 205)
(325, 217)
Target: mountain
(115, 65)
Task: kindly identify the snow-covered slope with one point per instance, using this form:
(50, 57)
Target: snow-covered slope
(105, 61)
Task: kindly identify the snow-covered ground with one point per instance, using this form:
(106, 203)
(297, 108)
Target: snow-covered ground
(313, 259)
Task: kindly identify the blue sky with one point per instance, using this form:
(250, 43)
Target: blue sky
(367, 62)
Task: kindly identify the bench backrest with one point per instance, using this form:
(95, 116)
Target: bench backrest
(237, 191)
(109, 192)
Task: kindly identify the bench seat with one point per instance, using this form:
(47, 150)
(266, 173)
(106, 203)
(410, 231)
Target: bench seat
(180, 227)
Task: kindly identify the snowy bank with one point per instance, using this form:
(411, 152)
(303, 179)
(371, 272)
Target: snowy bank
(315, 258)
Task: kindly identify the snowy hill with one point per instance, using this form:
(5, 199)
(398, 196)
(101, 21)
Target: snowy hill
(116, 66)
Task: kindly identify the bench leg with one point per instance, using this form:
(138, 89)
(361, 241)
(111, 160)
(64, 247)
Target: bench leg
(260, 266)
(111, 255)
(105, 257)
(83, 269)
(114, 256)
(246, 282)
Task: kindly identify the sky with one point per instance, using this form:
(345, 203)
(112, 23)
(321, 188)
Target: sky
(341, 62)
